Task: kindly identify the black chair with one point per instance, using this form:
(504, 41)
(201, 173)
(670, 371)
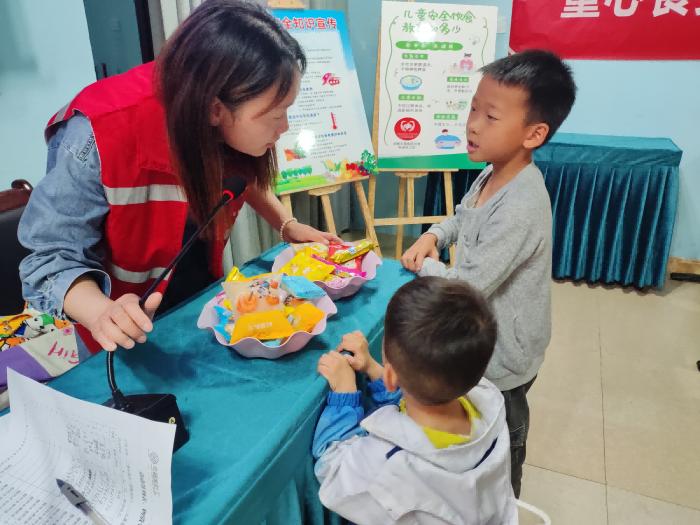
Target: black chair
(12, 203)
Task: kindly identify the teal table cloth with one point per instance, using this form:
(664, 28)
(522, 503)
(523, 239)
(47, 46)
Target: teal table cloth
(614, 203)
(251, 421)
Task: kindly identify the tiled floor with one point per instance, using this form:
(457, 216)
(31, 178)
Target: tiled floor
(616, 408)
(615, 425)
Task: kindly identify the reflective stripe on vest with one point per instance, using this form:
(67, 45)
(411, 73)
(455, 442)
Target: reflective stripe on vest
(143, 194)
(129, 276)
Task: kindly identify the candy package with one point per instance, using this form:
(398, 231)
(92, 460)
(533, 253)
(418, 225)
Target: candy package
(311, 248)
(268, 315)
(303, 264)
(235, 275)
(342, 270)
(301, 287)
(344, 254)
(261, 325)
(344, 278)
(305, 317)
(254, 295)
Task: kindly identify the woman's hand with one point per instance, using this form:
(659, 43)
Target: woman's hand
(123, 322)
(297, 232)
(111, 323)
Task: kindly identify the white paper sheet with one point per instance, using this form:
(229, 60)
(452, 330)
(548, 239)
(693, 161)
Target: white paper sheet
(119, 462)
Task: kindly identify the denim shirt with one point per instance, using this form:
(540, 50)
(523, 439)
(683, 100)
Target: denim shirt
(62, 224)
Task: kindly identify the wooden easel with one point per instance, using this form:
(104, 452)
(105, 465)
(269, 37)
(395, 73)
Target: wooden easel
(406, 198)
(324, 192)
(406, 206)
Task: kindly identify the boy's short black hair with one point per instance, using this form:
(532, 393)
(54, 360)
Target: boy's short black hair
(439, 335)
(547, 80)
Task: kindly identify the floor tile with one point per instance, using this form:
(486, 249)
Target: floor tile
(627, 508)
(566, 499)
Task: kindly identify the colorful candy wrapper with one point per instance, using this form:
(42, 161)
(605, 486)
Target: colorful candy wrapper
(224, 316)
(310, 248)
(261, 325)
(254, 295)
(342, 270)
(304, 265)
(344, 255)
(305, 317)
(301, 287)
(235, 275)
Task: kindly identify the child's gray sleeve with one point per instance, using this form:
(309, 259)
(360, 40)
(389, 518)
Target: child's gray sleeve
(504, 242)
(447, 232)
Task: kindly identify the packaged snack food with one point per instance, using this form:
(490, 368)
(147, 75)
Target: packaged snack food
(311, 248)
(305, 317)
(304, 265)
(301, 287)
(235, 275)
(254, 295)
(343, 270)
(261, 325)
(341, 256)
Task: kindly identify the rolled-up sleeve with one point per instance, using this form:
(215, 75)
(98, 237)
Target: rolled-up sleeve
(62, 224)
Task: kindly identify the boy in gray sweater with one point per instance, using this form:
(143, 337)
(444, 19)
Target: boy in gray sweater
(503, 226)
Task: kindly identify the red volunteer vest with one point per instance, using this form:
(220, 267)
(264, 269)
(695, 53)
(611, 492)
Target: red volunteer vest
(147, 206)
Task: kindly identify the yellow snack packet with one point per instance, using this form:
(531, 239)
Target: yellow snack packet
(305, 317)
(310, 248)
(235, 275)
(352, 252)
(262, 325)
(306, 266)
(317, 249)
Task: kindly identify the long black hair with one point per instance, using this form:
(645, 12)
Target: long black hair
(234, 50)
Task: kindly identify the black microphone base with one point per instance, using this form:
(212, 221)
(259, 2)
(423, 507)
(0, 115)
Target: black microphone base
(156, 407)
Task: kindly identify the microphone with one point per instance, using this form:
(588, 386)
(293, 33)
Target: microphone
(163, 407)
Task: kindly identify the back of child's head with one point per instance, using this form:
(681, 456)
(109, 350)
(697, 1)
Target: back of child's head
(547, 80)
(439, 335)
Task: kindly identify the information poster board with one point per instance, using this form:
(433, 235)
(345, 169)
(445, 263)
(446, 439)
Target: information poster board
(429, 62)
(328, 140)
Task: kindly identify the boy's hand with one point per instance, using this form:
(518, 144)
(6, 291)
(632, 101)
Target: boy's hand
(360, 360)
(338, 372)
(425, 246)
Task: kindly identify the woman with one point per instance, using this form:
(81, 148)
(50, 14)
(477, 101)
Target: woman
(111, 211)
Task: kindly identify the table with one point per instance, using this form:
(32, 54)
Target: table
(251, 421)
(614, 203)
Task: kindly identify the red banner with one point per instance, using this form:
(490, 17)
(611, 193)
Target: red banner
(609, 29)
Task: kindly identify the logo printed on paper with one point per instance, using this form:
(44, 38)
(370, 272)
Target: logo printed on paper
(407, 128)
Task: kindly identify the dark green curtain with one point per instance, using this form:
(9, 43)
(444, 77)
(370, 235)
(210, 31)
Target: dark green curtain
(614, 203)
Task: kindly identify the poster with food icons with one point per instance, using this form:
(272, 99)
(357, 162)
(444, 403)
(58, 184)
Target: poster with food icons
(328, 140)
(428, 72)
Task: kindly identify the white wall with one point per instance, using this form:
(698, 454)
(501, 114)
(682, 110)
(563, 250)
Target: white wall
(45, 59)
(114, 35)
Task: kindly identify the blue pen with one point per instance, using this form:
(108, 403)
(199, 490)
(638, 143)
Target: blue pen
(78, 500)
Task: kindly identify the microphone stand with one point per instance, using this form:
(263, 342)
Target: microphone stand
(159, 407)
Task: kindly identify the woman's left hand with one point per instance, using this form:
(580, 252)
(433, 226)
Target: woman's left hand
(298, 232)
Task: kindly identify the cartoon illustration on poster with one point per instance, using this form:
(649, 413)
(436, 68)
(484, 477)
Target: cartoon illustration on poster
(328, 140)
